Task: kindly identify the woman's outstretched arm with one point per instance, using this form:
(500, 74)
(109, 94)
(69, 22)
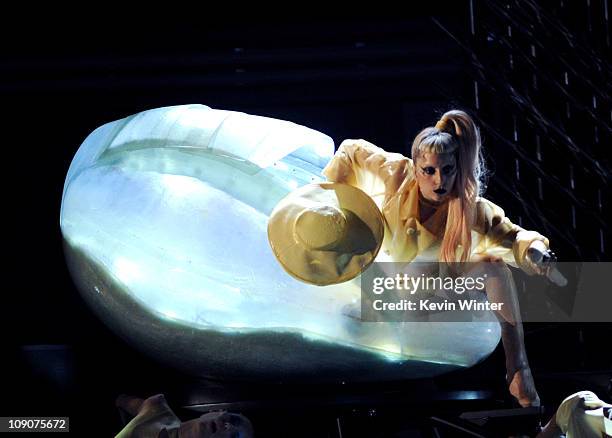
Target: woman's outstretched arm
(369, 168)
(502, 238)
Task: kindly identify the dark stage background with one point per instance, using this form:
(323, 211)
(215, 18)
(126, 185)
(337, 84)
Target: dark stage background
(536, 76)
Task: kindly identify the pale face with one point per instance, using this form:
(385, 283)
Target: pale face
(435, 175)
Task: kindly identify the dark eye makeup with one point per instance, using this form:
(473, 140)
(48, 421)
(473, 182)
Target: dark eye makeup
(446, 170)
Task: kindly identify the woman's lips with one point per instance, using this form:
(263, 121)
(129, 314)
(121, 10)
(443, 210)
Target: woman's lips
(440, 191)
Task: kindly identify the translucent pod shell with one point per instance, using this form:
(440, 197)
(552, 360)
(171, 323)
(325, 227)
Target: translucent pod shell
(164, 218)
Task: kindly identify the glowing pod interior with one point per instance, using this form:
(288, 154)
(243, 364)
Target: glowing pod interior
(164, 218)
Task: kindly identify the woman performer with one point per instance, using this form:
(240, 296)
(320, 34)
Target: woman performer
(433, 211)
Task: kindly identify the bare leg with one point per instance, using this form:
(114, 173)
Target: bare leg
(500, 288)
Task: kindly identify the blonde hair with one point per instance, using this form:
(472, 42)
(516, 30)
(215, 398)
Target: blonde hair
(456, 133)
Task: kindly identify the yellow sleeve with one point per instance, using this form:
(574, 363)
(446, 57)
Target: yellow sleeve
(500, 237)
(369, 168)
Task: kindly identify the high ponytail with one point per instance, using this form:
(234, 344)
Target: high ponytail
(457, 133)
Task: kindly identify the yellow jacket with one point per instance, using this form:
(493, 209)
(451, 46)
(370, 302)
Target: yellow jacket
(388, 178)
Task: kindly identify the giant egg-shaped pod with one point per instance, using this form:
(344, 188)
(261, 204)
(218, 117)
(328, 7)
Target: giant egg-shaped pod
(164, 218)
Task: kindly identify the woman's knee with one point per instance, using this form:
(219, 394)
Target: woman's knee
(489, 267)
(494, 267)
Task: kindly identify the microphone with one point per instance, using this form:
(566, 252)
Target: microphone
(547, 260)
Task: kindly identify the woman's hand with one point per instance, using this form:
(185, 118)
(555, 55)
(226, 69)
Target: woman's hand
(542, 260)
(540, 257)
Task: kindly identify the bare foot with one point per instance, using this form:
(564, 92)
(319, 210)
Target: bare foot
(523, 389)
